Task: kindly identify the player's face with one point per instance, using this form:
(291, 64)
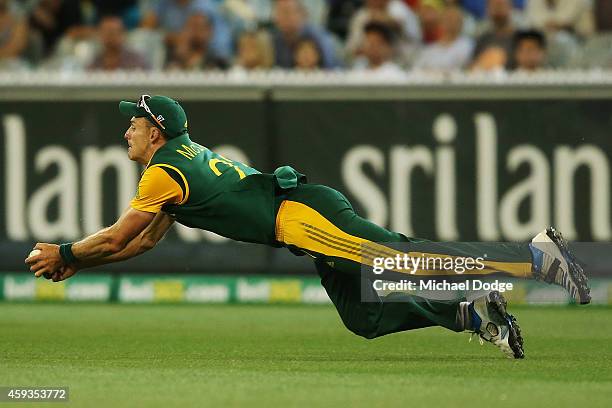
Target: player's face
(138, 137)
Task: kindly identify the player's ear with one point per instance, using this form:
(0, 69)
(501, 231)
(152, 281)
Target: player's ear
(156, 135)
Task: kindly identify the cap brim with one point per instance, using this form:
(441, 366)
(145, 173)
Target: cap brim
(129, 109)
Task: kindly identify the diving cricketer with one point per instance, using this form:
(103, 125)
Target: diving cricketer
(186, 182)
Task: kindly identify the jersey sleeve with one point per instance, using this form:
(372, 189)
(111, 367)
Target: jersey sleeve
(156, 188)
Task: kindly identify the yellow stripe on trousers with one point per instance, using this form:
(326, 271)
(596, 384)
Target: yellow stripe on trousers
(300, 225)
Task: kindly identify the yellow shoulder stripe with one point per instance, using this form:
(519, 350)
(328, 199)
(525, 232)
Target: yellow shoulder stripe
(186, 195)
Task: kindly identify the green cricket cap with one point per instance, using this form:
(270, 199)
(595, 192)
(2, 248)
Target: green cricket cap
(163, 112)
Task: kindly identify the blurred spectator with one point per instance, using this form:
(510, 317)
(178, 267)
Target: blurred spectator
(392, 13)
(562, 21)
(56, 18)
(469, 23)
(453, 51)
(316, 11)
(307, 55)
(501, 31)
(193, 49)
(113, 7)
(242, 14)
(378, 50)
(62, 31)
(172, 16)
(254, 51)
(602, 9)
(529, 50)
(429, 16)
(114, 54)
(559, 15)
(290, 27)
(340, 14)
(252, 14)
(126, 9)
(491, 59)
(13, 36)
(478, 8)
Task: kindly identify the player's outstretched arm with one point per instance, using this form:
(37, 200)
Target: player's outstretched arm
(114, 243)
(146, 240)
(143, 242)
(113, 239)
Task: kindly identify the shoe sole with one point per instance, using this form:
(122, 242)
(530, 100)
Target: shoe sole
(515, 338)
(575, 270)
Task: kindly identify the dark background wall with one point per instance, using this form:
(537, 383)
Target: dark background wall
(443, 167)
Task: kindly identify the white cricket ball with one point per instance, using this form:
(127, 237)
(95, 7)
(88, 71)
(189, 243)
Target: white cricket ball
(34, 252)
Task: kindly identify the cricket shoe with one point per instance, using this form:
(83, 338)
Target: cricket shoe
(554, 263)
(491, 321)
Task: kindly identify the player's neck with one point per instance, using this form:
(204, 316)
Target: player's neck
(153, 149)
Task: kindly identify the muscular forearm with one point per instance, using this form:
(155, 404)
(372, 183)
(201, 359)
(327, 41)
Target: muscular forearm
(134, 233)
(134, 248)
(97, 246)
(141, 243)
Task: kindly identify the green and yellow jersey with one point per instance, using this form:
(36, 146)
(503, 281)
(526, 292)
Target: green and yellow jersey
(205, 190)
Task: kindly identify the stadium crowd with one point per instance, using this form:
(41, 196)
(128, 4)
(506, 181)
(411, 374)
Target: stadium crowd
(383, 36)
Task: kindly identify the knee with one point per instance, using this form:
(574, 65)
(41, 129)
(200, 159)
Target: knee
(367, 332)
(362, 324)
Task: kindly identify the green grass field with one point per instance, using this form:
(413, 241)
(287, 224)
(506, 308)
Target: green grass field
(274, 356)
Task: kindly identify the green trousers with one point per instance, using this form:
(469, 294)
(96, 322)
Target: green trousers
(320, 221)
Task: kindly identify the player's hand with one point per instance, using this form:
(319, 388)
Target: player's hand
(47, 262)
(64, 273)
